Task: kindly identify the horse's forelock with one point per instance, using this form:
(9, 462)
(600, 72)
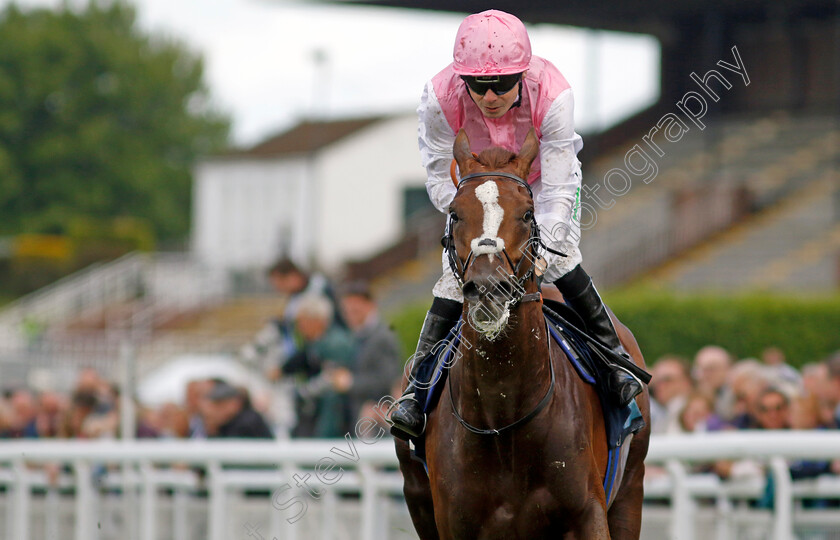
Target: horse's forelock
(495, 158)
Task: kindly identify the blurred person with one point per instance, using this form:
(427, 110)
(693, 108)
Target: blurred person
(277, 341)
(697, 413)
(377, 352)
(833, 391)
(772, 409)
(777, 366)
(104, 420)
(710, 371)
(670, 387)
(51, 407)
(82, 405)
(805, 412)
(747, 380)
(6, 418)
(24, 412)
(816, 382)
(229, 414)
(322, 411)
(193, 398)
(775, 412)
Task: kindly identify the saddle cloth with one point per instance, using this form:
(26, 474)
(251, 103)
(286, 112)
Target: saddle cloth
(620, 422)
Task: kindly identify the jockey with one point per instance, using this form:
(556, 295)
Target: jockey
(497, 91)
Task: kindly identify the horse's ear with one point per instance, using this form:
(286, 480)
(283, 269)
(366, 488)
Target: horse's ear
(461, 150)
(529, 151)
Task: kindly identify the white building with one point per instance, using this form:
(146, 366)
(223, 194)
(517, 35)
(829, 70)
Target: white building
(321, 193)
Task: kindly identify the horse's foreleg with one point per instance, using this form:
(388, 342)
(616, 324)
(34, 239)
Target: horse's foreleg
(625, 515)
(591, 523)
(418, 493)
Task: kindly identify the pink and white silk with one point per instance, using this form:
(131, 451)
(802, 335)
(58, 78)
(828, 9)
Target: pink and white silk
(547, 104)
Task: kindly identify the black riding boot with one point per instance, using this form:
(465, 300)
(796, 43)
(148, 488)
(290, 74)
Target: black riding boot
(408, 419)
(580, 293)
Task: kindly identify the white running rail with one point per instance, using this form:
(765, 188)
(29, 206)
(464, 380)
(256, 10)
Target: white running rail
(257, 489)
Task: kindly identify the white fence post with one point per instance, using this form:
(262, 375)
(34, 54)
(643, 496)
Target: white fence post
(22, 507)
(216, 496)
(682, 504)
(782, 500)
(148, 519)
(84, 500)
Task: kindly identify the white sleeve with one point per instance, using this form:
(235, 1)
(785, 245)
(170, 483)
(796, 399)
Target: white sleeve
(556, 205)
(436, 140)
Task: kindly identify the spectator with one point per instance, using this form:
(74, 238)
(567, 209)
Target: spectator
(322, 411)
(805, 412)
(51, 407)
(773, 409)
(82, 405)
(779, 369)
(377, 353)
(817, 383)
(711, 368)
(747, 380)
(24, 414)
(230, 414)
(670, 386)
(697, 413)
(196, 391)
(833, 365)
(276, 342)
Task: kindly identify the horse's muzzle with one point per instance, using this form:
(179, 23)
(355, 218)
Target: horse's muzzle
(482, 288)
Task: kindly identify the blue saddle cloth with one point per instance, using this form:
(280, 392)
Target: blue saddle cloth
(620, 422)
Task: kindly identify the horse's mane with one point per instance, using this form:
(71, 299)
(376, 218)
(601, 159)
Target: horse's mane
(495, 158)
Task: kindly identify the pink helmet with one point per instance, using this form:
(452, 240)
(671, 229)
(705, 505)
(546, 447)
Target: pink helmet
(491, 43)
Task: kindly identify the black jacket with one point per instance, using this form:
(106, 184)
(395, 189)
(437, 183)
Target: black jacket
(247, 424)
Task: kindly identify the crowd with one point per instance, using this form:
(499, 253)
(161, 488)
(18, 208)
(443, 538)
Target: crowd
(329, 356)
(717, 393)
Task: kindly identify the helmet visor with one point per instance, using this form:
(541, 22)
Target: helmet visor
(499, 84)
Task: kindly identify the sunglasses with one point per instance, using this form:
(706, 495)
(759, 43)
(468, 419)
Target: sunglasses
(499, 84)
(778, 408)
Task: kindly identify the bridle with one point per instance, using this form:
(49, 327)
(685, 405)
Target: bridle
(534, 243)
(460, 269)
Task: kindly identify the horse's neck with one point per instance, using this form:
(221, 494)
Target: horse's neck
(508, 374)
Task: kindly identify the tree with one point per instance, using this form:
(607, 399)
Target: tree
(98, 120)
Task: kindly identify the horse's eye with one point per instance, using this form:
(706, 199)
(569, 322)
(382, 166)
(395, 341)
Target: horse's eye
(453, 216)
(529, 215)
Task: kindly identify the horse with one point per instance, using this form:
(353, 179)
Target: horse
(516, 447)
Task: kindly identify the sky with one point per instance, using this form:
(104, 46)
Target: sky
(272, 63)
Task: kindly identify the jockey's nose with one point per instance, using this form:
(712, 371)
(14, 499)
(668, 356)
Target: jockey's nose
(490, 96)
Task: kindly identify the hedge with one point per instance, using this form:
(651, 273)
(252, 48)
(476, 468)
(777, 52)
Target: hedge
(806, 328)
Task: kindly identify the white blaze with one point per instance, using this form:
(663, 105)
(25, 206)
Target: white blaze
(488, 194)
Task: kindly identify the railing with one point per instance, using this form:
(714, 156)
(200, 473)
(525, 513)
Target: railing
(334, 489)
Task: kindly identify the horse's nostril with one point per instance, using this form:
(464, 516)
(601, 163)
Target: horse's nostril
(471, 291)
(506, 288)
(487, 242)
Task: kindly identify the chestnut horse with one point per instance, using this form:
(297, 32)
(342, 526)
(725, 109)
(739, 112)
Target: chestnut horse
(516, 447)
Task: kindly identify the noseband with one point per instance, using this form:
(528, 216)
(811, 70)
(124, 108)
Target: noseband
(534, 242)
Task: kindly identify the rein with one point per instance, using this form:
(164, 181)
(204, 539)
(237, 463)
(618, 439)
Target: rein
(460, 270)
(524, 420)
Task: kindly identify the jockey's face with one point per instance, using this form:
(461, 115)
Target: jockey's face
(493, 105)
